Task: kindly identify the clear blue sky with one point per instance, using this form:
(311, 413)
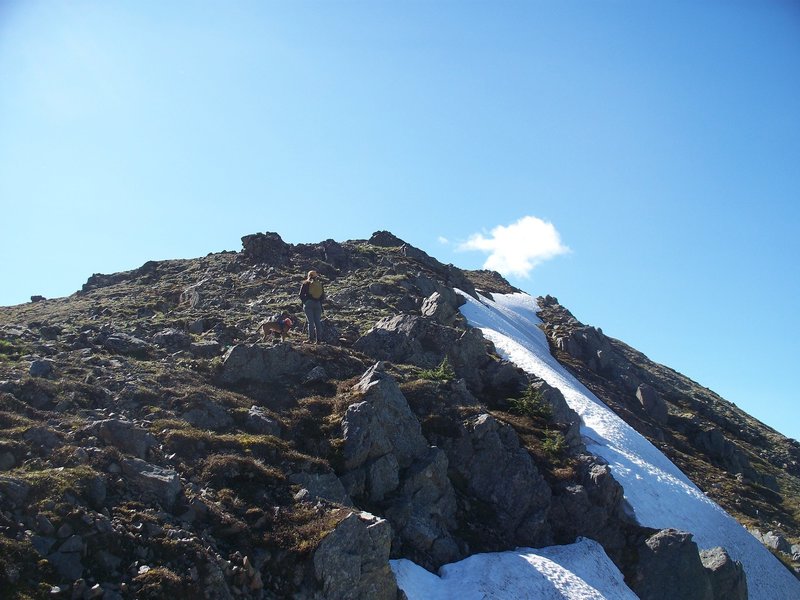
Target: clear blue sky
(661, 140)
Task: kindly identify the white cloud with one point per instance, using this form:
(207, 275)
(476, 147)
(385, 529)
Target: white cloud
(518, 248)
(443, 240)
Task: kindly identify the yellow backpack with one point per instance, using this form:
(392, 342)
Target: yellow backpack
(315, 289)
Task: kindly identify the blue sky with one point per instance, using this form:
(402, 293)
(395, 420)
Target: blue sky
(659, 140)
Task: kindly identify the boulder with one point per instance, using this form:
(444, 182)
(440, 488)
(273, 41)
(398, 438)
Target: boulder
(124, 435)
(728, 579)
(316, 375)
(172, 339)
(670, 567)
(254, 363)
(14, 490)
(442, 306)
(163, 485)
(265, 248)
(381, 423)
(652, 403)
(123, 343)
(407, 338)
(41, 368)
(352, 562)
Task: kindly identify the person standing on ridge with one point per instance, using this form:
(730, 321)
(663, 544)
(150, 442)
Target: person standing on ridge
(312, 294)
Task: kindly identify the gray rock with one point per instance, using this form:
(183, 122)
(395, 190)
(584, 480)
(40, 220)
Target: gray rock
(497, 470)
(258, 421)
(124, 343)
(424, 511)
(265, 248)
(316, 375)
(405, 338)
(387, 423)
(324, 486)
(204, 413)
(728, 579)
(652, 403)
(352, 562)
(669, 567)
(124, 435)
(41, 368)
(437, 307)
(172, 339)
(162, 484)
(205, 348)
(259, 364)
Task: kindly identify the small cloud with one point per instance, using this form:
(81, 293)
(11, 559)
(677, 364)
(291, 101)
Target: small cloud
(518, 248)
(443, 240)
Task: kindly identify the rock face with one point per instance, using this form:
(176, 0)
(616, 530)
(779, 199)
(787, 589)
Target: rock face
(385, 454)
(728, 581)
(487, 455)
(670, 567)
(352, 562)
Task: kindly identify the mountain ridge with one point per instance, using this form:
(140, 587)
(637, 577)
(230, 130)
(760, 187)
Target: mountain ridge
(152, 389)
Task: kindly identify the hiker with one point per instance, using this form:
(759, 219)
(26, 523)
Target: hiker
(312, 294)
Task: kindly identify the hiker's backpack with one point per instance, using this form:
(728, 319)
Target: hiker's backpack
(315, 289)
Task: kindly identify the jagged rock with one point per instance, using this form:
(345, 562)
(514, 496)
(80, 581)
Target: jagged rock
(205, 348)
(162, 484)
(259, 364)
(381, 423)
(406, 338)
(335, 254)
(669, 567)
(193, 295)
(385, 239)
(123, 343)
(497, 470)
(424, 511)
(258, 421)
(442, 308)
(652, 403)
(41, 368)
(265, 248)
(125, 435)
(67, 558)
(728, 579)
(773, 540)
(352, 562)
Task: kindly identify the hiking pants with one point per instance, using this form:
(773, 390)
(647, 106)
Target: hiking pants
(313, 310)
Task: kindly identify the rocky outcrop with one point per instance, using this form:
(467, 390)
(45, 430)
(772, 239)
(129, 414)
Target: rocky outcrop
(652, 403)
(496, 470)
(388, 462)
(258, 364)
(728, 580)
(670, 567)
(352, 562)
(265, 248)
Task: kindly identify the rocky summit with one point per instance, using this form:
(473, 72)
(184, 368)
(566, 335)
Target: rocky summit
(155, 443)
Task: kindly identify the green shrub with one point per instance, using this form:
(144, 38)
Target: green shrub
(531, 404)
(444, 372)
(554, 443)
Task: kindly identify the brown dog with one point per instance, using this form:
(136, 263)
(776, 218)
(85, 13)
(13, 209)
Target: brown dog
(277, 326)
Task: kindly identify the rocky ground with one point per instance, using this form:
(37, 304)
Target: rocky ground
(152, 444)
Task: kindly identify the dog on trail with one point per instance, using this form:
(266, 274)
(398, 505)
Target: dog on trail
(277, 325)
